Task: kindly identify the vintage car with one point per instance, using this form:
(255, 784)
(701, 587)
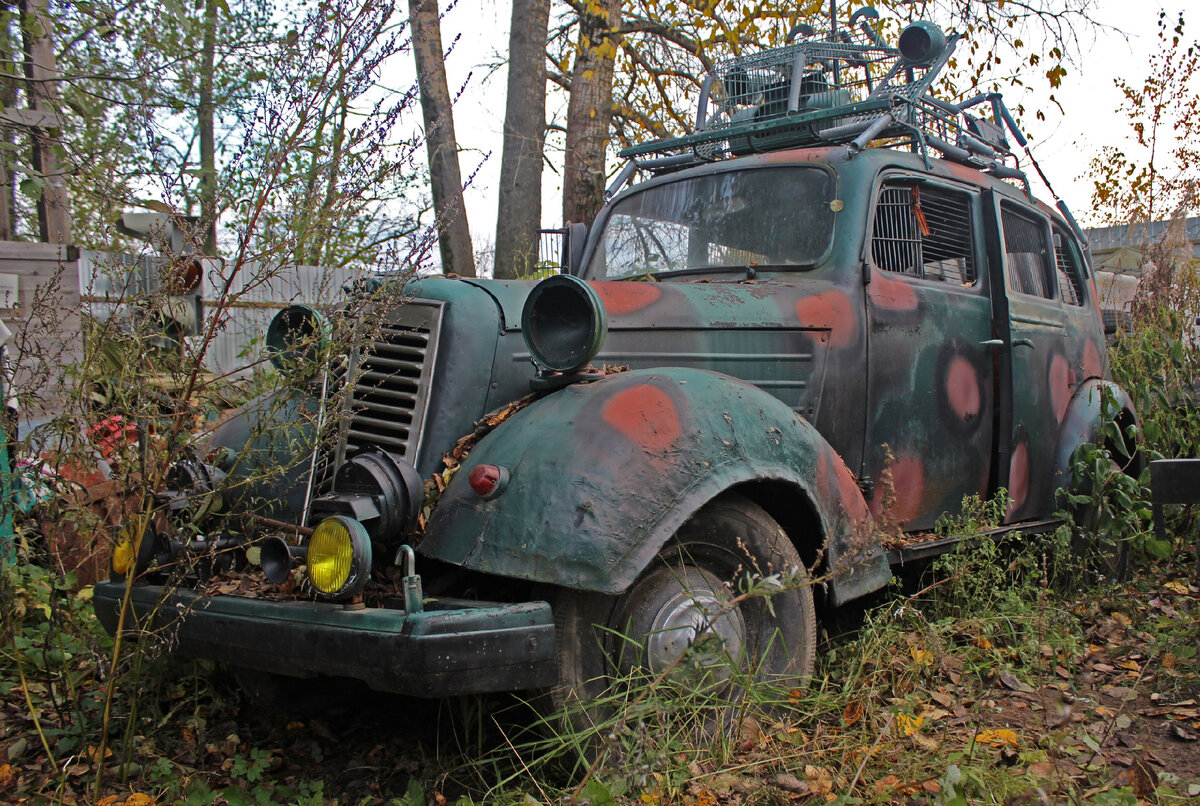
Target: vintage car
(827, 316)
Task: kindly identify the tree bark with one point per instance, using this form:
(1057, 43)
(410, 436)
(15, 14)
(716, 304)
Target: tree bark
(208, 140)
(54, 215)
(520, 204)
(589, 111)
(454, 236)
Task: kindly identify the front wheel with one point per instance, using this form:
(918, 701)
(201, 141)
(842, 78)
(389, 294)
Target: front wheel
(699, 616)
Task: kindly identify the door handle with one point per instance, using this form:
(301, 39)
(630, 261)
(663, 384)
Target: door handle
(1000, 343)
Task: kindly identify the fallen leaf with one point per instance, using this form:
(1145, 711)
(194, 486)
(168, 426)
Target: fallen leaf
(921, 657)
(820, 781)
(998, 737)
(1012, 682)
(1131, 665)
(1182, 733)
(908, 725)
(1041, 769)
(7, 779)
(790, 783)
(1175, 586)
(886, 783)
(983, 643)
(1168, 661)
(1143, 779)
(852, 713)
(942, 698)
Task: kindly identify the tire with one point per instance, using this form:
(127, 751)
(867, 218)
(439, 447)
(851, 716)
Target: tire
(651, 629)
(1099, 556)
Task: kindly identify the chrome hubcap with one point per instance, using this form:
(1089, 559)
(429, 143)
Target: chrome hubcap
(695, 613)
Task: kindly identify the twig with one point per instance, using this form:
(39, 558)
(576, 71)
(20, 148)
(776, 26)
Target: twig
(867, 757)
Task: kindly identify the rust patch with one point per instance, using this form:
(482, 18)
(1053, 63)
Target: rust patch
(1018, 479)
(623, 298)
(962, 388)
(891, 292)
(832, 310)
(645, 415)
(1060, 386)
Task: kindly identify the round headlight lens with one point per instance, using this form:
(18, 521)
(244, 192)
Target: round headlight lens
(564, 323)
(339, 557)
(298, 336)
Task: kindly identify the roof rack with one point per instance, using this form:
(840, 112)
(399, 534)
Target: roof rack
(846, 87)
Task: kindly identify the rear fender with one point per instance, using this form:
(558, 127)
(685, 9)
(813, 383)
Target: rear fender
(602, 474)
(1083, 423)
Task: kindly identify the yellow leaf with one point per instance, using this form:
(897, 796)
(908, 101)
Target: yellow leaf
(1131, 665)
(909, 725)
(998, 737)
(983, 643)
(921, 657)
(138, 799)
(1176, 586)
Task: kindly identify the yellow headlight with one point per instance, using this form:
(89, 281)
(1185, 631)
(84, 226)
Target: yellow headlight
(339, 556)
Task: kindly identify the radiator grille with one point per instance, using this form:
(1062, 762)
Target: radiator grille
(392, 377)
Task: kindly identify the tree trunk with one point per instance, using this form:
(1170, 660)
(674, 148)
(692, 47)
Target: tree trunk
(208, 140)
(54, 217)
(454, 236)
(589, 112)
(520, 207)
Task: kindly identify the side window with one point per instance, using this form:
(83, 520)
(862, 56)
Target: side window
(1069, 268)
(924, 231)
(1025, 246)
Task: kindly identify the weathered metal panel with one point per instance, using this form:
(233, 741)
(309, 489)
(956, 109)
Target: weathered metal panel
(602, 474)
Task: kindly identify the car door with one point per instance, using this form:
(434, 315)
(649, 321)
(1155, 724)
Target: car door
(929, 387)
(1035, 377)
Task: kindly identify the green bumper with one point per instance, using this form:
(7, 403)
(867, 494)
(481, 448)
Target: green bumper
(451, 648)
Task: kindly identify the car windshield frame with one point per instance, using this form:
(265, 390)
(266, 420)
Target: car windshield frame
(719, 221)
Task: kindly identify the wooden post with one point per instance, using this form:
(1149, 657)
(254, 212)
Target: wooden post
(41, 74)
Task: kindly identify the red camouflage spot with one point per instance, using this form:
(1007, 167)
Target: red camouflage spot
(1018, 479)
(891, 292)
(621, 298)
(645, 415)
(1060, 386)
(831, 310)
(1091, 360)
(908, 482)
(962, 388)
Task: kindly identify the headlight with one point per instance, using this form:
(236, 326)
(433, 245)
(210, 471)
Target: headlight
(298, 337)
(564, 323)
(339, 557)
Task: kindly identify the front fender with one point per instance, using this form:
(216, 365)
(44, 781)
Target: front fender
(1084, 422)
(602, 474)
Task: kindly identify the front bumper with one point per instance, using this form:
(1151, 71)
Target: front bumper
(453, 647)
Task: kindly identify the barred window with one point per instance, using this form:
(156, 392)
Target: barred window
(1025, 245)
(1067, 266)
(924, 231)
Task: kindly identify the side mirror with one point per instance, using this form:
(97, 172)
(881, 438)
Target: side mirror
(576, 240)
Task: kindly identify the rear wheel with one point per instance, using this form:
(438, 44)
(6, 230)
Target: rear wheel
(690, 620)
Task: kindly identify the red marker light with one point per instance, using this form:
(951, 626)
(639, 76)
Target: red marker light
(488, 481)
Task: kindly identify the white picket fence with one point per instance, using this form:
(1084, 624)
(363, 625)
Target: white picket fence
(254, 295)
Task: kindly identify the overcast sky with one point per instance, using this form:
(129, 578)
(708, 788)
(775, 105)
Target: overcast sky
(1064, 143)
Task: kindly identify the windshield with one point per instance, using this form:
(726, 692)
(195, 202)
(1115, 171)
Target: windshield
(768, 217)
